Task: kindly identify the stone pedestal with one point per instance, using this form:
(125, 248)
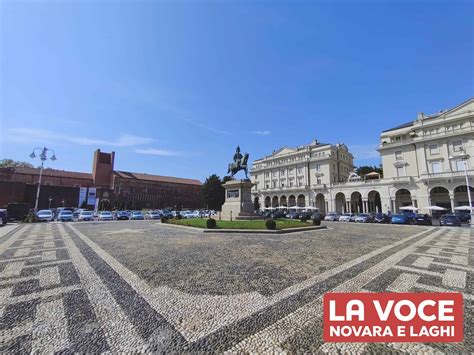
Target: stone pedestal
(238, 200)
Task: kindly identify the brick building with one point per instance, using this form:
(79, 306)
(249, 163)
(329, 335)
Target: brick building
(120, 189)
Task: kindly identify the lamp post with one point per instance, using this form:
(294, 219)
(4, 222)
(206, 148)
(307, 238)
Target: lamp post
(43, 156)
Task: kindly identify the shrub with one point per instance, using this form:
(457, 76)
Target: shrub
(164, 219)
(211, 223)
(270, 224)
(304, 218)
(316, 221)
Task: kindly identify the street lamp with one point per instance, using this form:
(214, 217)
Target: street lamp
(464, 157)
(43, 156)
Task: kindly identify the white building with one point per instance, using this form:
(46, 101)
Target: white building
(423, 164)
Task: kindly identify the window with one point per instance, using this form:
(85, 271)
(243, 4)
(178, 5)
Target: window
(318, 181)
(300, 170)
(290, 171)
(267, 174)
(267, 186)
(400, 171)
(282, 172)
(291, 182)
(318, 167)
(274, 183)
(300, 181)
(457, 146)
(274, 173)
(398, 155)
(434, 149)
(436, 167)
(460, 165)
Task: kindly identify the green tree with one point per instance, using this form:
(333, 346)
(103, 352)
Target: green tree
(365, 169)
(10, 163)
(213, 193)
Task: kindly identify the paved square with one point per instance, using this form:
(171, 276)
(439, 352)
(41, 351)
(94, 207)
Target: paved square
(143, 286)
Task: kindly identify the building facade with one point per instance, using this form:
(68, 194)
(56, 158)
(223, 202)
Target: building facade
(423, 161)
(120, 189)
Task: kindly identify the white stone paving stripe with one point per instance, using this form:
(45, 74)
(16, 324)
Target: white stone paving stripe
(12, 269)
(290, 325)
(454, 278)
(13, 238)
(108, 312)
(49, 255)
(403, 283)
(49, 276)
(22, 252)
(59, 291)
(50, 333)
(423, 261)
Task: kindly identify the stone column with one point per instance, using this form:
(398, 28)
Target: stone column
(451, 199)
(365, 206)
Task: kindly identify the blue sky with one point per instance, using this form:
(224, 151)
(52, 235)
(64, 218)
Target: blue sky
(174, 86)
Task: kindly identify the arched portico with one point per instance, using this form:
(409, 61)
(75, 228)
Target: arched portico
(283, 201)
(374, 202)
(291, 201)
(402, 198)
(439, 196)
(268, 202)
(320, 203)
(301, 201)
(275, 201)
(460, 195)
(340, 200)
(356, 202)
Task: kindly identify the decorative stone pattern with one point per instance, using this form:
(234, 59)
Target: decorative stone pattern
(65, 288)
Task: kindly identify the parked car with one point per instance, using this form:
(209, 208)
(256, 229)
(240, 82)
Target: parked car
(293, 215)
(320, 215)
(402, 219)
(106, 216)
(193, 214)
(364, 218)
(152, 215)
(45, 216)
(423, 219)
(381, 218)
(279, 214)
(85, 216)
(450, 220)
(65, 216)
(347, 217)
(137, 215)
(3, 217)
(464, 217)
(122, 215)
(332, 216)
(167, 213)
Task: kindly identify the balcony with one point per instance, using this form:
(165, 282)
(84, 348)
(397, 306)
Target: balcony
(446, 175)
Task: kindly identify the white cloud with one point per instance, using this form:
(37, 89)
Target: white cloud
(158, 152)
(261, 133)
(29, 135)
(209, 128)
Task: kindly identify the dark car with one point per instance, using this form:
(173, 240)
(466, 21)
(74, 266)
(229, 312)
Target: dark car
(122, 215)
(278, 214)
(305, 216)
(450, 220)
(464, 217)
(293, 215)
(3, 217)
(320, 215)
(381, 218)
(423, 219)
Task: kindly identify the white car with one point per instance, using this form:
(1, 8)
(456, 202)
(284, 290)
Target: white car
(45, 215)
(85, 216)
(65, 216)
(347, 217)
(332, 217)
(106, 216)
(193, 214)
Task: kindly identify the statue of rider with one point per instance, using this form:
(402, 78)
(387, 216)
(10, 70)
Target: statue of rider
(237, 157)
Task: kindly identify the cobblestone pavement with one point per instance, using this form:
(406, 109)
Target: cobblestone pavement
(143, 286)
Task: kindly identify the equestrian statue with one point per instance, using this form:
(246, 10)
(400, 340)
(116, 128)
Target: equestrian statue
(240, 163)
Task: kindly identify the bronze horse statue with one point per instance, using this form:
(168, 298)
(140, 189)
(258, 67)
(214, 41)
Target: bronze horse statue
(238, 164)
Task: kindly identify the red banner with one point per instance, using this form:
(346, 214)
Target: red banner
(393, 317)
